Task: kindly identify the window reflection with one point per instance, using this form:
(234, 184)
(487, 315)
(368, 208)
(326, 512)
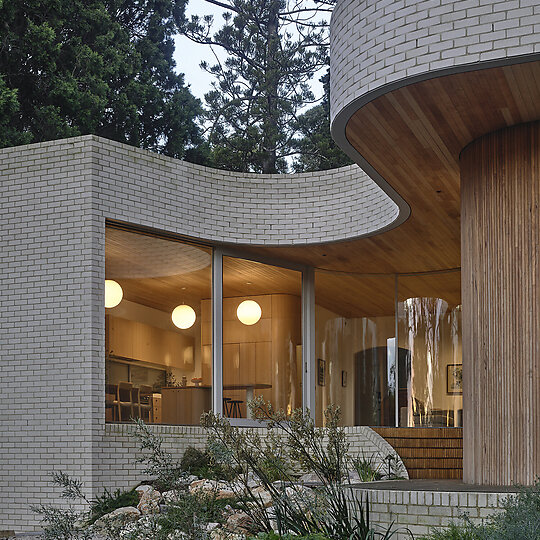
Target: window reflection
(357, 345)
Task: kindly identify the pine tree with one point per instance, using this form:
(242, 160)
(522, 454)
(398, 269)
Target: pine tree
(273, 49)
(316, 149)
(74, 67)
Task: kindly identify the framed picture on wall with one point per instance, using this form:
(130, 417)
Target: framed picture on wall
(343, 378)
(454, 379)
(321, 372)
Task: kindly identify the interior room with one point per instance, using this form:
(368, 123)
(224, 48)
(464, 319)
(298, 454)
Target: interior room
(159, 338)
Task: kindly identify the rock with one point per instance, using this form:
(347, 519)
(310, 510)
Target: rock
(149, 502)
(117, 518)
(222, 490)
(171, 496)
(211, 526)
(239, 522)
(301, 495)
(309, 478)
(145, 488)
(262, 495)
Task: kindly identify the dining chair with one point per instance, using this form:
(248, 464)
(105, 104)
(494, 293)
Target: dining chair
(145, 402)
(125, 400)
(111, 401)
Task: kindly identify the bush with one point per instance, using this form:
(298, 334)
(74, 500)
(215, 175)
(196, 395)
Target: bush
(103, 504)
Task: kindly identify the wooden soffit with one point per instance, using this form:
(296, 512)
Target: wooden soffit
(412, 137)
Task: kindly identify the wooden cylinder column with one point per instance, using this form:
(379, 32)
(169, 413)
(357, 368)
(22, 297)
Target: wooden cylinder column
(500, 234)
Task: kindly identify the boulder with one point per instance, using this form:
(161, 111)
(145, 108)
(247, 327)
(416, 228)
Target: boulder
(263, 496)
(116, 519)
(239, 522)
(222, 490)
(149, 502)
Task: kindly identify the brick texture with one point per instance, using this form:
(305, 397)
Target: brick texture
(54, 201)
(374, 43)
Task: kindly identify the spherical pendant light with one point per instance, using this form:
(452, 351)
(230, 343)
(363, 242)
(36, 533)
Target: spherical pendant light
(249, 312)
(183, 316)
(113, 293)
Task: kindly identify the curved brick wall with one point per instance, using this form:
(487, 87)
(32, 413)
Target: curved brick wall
(376, 43)
(238, 208)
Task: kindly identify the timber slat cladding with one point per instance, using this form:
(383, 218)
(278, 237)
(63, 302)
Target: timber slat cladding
(430, 453)
(500, 182)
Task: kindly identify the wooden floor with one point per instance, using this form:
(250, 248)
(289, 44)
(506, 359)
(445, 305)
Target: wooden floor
(427, 453)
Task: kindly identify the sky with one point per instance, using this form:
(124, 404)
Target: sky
(188, 55)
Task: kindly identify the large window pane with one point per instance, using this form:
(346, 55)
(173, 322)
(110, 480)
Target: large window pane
(355, 366)
(261, 342)
(429, 315)
(156, 369)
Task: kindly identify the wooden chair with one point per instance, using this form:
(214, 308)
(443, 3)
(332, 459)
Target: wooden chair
(125, 400)
(111, 402)
(235, 411)
(227, 406)
(145, 402)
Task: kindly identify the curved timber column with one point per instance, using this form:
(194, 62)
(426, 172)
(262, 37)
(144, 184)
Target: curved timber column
(500, 234)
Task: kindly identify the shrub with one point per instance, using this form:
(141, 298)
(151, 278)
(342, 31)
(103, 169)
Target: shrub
(103, 504)
(329, 511)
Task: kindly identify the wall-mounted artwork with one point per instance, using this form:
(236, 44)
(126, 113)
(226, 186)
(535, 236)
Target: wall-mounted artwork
(321, 372)
(454, 379)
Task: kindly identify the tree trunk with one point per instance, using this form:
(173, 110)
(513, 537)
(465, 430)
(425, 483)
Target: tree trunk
(271, 120)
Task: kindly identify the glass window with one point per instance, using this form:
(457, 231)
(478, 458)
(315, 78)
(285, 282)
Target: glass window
(355, 327)
(429, 316)
(356, 323)
(262, 336)
(157, 332)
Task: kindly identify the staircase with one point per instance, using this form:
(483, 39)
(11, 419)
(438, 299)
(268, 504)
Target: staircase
(435, 453)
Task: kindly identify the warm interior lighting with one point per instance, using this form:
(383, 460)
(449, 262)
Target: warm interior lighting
(113, 293)
(183, 316)
(249, 312)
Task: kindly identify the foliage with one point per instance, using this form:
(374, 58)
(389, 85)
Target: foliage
(371, 468)
(64, 523)
(519, 520)
(367, 468)
(316, 149)
(103, 504)
(331, 510)
(205, 465)
(273, 49)
(158, 462)
(104, 67)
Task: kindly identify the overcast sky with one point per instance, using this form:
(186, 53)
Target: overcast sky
(189, 55)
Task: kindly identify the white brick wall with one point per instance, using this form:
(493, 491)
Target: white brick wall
(420, 511)
(374, 43)
(54, 200)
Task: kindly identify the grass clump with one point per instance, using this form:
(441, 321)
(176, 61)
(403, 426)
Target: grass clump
(103, 504)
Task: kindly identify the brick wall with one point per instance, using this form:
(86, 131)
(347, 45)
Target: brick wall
(54, 201)
(375, 43)
(421, 511)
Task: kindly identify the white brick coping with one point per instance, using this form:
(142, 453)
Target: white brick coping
(219, 206)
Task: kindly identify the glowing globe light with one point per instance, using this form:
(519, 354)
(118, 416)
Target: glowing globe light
(183, 316)
(113, 293)
(249, 312)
